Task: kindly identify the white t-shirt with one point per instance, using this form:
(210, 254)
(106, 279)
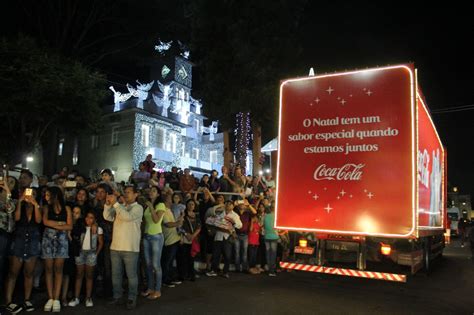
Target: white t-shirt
(86, 245)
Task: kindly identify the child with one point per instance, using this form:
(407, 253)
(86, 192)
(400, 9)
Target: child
(91, 241)
(68, 269)
(254, 242)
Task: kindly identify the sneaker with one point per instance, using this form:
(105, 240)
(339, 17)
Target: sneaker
(131, 304)
(89, 302)
(14, 308)
(49, 305)
(116, 301)
(225, 275)
(74, 302)
(28, 306)
(169, 284)
(176, 282)
(56, 306)
(272, 274)
(211, 274)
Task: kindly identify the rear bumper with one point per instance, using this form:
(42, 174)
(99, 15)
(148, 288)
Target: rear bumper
(345, 272)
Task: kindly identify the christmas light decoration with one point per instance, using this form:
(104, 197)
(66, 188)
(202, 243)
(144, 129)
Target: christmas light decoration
(211, 130)
(162, 47)
(140, 151)
(243, 134)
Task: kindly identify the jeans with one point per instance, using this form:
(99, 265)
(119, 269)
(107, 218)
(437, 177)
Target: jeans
(241, 245)
(221, 247)
(271, 254)
(169, 254)
(104, 269)
(130, 260)
(152, 250)
(253, 251)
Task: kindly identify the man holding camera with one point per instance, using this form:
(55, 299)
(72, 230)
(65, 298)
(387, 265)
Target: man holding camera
(125, 246)
(225, 222)
(244, 210)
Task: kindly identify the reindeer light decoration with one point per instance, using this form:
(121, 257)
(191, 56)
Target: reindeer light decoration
(165, 102)
(163, 46)
(119, 98)
(141, 92)
(211, 130)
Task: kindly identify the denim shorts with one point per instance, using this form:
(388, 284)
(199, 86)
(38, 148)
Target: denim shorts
(87, 257)
(55, 244)
(26, 245)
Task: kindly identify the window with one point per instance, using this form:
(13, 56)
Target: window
(183, 148)
(195, 154)
(213, 156)
(115, 136)
(160, 138)
(145, 135)
(61, 146)
(94, 141)
(196, 126)
(75, 153)
(172, 143)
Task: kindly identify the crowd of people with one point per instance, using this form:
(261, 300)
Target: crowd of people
(151, 231)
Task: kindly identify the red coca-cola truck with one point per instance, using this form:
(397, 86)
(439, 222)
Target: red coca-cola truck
(361, 176)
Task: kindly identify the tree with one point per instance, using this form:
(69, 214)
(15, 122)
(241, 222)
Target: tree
(41, 91)
(243, 49)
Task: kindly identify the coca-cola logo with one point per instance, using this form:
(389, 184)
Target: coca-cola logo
(349, 171)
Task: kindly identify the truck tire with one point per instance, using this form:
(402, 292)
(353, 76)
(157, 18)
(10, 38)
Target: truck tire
(427, 255)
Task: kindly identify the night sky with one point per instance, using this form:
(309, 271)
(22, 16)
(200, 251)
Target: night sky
(437, 39)
(335, 37)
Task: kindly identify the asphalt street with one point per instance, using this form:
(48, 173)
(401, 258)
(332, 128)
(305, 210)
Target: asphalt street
(449, 289)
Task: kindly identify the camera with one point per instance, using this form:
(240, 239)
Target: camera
(240, 202)
(70, 184)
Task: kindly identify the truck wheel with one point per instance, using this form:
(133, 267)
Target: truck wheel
(427, 255)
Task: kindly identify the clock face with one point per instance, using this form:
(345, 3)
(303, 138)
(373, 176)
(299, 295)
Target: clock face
(182, 74)
(165, 71)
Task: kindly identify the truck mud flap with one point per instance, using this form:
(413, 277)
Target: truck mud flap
(345, 272)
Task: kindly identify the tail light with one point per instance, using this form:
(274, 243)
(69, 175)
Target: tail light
(303, 242)
(385, 249)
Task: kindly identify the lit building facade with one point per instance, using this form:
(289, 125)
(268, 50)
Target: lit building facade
(159, 118)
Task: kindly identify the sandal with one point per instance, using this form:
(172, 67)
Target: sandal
(154, 295)
(146, 293)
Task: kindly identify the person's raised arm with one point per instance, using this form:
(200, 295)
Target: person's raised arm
(136, 213)
(211, 197)
(18, 209)
(37, 210)
(156, 214)
(252, 209)
(109, 211)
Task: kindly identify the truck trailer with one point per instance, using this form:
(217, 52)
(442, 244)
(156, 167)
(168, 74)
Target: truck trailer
(361, 175)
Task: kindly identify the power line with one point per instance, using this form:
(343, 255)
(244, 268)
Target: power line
(453, 109)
